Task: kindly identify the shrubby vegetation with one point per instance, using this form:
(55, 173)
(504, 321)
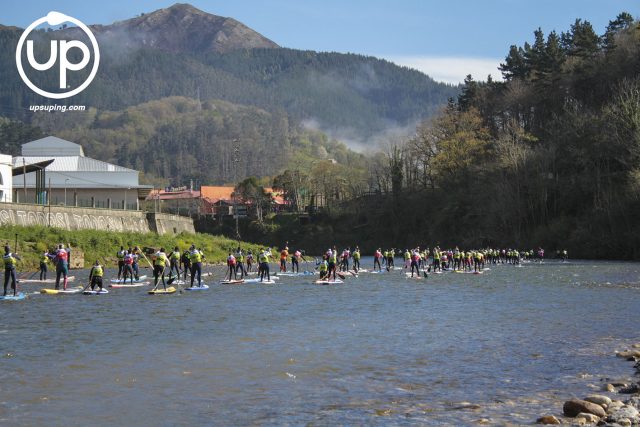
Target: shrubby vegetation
(103, 245)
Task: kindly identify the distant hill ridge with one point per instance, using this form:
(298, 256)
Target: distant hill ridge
(183, 51)
(183, 28)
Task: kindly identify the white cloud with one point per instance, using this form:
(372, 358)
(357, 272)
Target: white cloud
(451, 69)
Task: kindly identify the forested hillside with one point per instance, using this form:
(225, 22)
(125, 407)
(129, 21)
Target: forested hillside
(174, 140)
(548, 157)
(338, 92)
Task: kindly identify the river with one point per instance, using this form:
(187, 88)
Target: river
(507, 346)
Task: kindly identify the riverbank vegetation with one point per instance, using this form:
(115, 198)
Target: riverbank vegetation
(103, 245)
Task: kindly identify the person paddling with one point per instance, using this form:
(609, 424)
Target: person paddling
(95, 276)
(120, 255)
(128, 267)
(356, 259)
(44, 264)
(61, 259)
(323, 268)
(10, 261)
(174, 259)
(231, 266)
(160, 261)
(377, 256)
(263, 260)
(196, 257)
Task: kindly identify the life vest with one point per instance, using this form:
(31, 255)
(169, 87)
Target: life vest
(407, 256)
(175, 255)
(231, 260)
(97, 271)
(128, 259)
(333, 257)
(240, 257)
(160, 259)
(120, 255)
(62, 255)
(263, 257)
(195, 256)
(378, 254)
(284, 254)
(45, 259)
(9, 260)
(356, 255)
(323, 266)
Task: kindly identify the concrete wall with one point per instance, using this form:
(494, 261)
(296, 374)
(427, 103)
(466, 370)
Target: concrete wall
(71, 218)
(169, 224)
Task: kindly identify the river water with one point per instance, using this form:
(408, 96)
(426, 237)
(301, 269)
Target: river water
(508, 345)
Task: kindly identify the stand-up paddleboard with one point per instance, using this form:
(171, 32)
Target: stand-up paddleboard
(328, 282)
(95, 292)
(138, 280)
(169, 290)
(68, 291)
(477, 272)
(415, 275)
(197, 288)
(45, 281)
(305, 273)
(128, 285)
(378, 271)
(10, 297)
(232, 282)
(266, 282)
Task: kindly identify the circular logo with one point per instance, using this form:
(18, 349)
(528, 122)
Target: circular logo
(57, 18)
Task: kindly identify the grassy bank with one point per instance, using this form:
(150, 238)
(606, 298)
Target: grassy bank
(96, 244)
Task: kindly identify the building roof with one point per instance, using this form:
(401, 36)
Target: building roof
(71, 164)
(173, 195)
(52, 146)
(215, 194)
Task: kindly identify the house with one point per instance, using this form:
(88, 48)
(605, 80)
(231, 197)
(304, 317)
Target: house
(72, 178)
(179, 201)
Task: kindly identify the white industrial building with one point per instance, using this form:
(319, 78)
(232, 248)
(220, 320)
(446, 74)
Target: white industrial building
(72, 178)
(6, 178)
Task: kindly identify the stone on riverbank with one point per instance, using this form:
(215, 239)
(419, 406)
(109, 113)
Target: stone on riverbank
(548, 420)
(610, 388)
(573, 407)
(627, 412)
(598, 399)
(615, 405)
(631, 389)
(627, 354)
(588, 418)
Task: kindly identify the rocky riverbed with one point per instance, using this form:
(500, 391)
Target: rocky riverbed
(622, 409)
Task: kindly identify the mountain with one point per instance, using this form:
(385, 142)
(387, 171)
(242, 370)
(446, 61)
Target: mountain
(182, 51)
(182, 28)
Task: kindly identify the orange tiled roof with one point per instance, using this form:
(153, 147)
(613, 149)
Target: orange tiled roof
(214, 193)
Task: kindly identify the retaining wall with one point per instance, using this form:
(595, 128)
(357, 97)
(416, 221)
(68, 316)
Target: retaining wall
(72, 218)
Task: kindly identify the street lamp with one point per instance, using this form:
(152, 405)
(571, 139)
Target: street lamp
(236, 159)
(65, 191)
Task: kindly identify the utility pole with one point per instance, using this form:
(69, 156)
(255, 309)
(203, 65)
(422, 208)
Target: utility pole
(236, 159)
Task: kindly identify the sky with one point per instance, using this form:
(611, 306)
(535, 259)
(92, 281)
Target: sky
(445, 39)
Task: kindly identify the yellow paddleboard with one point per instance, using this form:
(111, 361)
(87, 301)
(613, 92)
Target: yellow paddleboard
(169, 290)
(76, 290)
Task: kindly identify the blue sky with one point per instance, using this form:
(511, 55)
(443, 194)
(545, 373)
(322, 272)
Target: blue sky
(446, 39)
